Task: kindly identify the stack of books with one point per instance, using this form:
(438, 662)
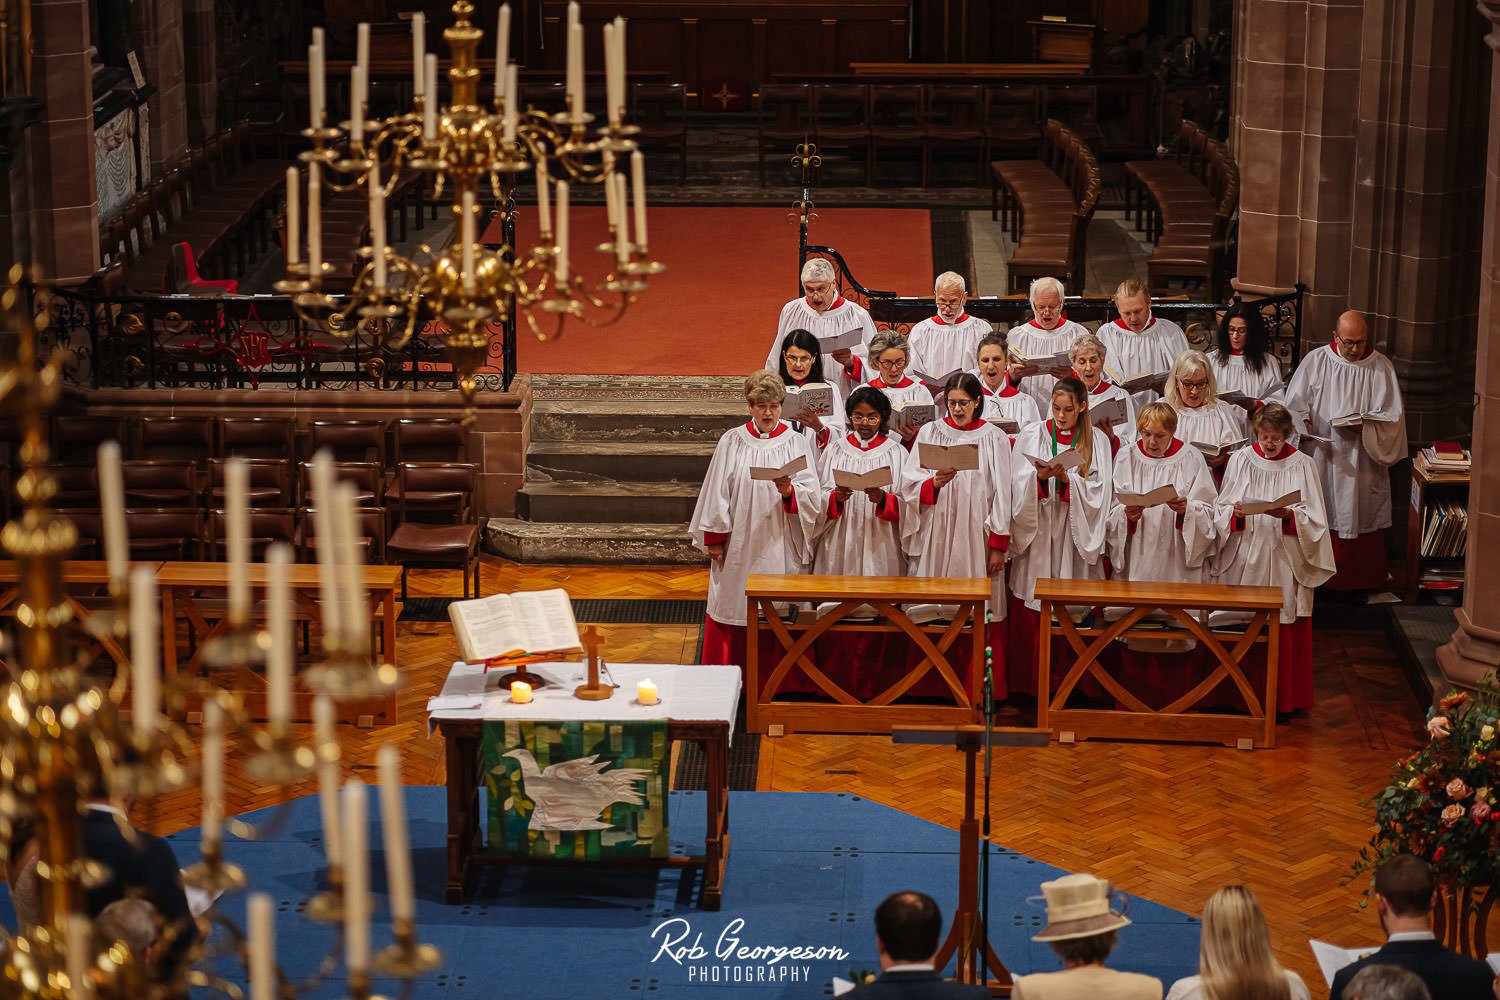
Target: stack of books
(1445, 530)
(1444, 461)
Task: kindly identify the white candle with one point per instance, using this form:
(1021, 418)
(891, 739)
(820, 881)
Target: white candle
(356, 878)
(112, 500)
(279, 620)
(213, 775)
(512, 101)
(377, 226)
(543, 207)
(620, 47)
(418, 54)
(80, 940)
(316, 83)
(611, 98)
(293, 239)
(261, 917)
(237, 500)
(638, 176)
(314, 221)
(357, 105)
(622, 206)
(611, 207)
(502, 48)
(327, 542)
(561, 263)
(325, 744)
(520, 692)
(430, 105)
(355, 612)
(362, 47)
(393, 830)
(645, 692)
(145, 671)
(466, 236)
(575, 59)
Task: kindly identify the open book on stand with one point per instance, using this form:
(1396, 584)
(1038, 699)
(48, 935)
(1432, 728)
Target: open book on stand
(528, 625)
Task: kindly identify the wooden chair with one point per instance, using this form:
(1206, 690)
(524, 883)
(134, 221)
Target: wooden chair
(171, 534)
(440, 532)
(897, 122)
(350, 440)
(265, 525)
(161, 483)
(367, 477)
(190, 438)
(660, 112)
(370, 530)
(841, 120)
(783, 119)
(258, 437)
(76, 438)
(270, 482)
(954, 120)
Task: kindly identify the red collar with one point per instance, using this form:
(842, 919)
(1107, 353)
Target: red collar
(1149, 324)
(1005, 391)
(962, 318)
(879, 383)
(836, 303)
(781, 427)
(1286, 450)
(1184, 406)
(976, 422)
(799, 381)
(1333, 345)
(875, 442)
(1049, 329)
(1103, 385)
(1172, 448)
(1236, 354)
(1066, 437)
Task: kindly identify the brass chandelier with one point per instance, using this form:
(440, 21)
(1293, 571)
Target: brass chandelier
(466, 148)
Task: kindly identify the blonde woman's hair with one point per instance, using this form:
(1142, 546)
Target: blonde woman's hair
(1188, 362)
(1130, 288)
(1083, 430)
(1087, 342)
(764, 386)
(1158, 414)
(1235, 957)
(886, 340)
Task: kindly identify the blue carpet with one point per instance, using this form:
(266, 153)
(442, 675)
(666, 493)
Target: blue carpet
(805, 870)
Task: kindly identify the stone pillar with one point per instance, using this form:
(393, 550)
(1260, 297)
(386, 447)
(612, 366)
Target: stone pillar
(202, 71)
(1475, 647)
(157, 26)
(1415, 247)
(64, 209)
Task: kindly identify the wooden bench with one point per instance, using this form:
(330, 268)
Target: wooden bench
(1048, 203)
(1185, 719)
(960, 671)
(90, 578)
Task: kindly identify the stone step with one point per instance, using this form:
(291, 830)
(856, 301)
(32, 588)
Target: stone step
(605, 502)
(531, 542)
(634, 461)
(637, 420)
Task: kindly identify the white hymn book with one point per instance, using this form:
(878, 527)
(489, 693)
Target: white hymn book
(528, 623)
(956, 456)
(814, 397)
(765, 473)
(1068, 459)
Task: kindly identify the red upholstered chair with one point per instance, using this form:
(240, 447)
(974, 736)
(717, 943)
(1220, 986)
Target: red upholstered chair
(442, 532)
(187, 279)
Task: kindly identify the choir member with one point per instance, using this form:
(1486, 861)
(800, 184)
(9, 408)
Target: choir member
(1087, 353)
(889, 353)
(1174, 540)
(1201, 418)
(826, 313)
(748, 525)
(1058, 516)
(861, 535)
(1352, 380)
(801, 364)
(946, 342)
(1048, 332)
(1002, 400)
(1286, 547)
(963, 526)
(1139, 342)
(1242, 361)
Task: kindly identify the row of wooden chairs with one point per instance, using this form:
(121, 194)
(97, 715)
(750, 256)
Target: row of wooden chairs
(1048, 203)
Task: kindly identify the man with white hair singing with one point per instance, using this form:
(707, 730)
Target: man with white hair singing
(1048, 332)
(947, 342)
(1138, 341)
(826, 314)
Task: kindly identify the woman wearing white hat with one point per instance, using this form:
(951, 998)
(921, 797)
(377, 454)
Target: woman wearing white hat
(1081, 928)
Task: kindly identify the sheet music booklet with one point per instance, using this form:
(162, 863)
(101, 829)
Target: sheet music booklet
(766, 473)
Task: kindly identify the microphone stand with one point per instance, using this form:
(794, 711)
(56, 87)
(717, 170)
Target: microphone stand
(984, 856)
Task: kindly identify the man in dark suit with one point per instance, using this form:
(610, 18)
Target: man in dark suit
(1404, 899)
(907, 929)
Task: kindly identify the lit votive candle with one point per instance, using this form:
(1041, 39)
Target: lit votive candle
(645, 692)
(520, 692)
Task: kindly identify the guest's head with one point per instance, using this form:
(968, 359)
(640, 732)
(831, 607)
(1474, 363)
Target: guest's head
(1235, 957)
(1271, 425)
(764, 392)
(801, 358)
(1155, 423)
(890, 351)
(1386, 982)
(907, 927)
(990, 356)
(868, 411)
(1087, 354)
(1133, 303)
(132, 922)
(964, 399)
(1046, 295)
(1242, 330)
(1190, 383)
(820, 283)
(1352, 335)
(1403, 893)
(950, 292)
(1081, 925)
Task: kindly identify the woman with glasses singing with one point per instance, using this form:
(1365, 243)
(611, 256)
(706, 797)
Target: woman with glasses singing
(890, 353)
(801, 366)
(1216, 429)
(862, 532)
(963, 515)
(1242, 361)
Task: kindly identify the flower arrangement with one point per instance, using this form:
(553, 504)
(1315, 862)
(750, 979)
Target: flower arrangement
(1441, 803)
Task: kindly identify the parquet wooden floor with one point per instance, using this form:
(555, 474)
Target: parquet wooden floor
(1172, 823)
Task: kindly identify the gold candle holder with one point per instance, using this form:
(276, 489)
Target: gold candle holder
(406, 958)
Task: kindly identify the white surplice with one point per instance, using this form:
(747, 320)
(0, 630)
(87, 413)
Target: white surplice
(1156, 548)
(1052, 536)
(1212, 423)
(1010, 403)
(1356, 485)
(1233, 374)
(951, 536)
(938, 348)
(1032, 340)
(843, 315)
(858, 542)
(763, 536)
(1263, 554)
(1154, 349)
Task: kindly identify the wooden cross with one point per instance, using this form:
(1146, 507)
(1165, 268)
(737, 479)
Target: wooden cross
(592, 689)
